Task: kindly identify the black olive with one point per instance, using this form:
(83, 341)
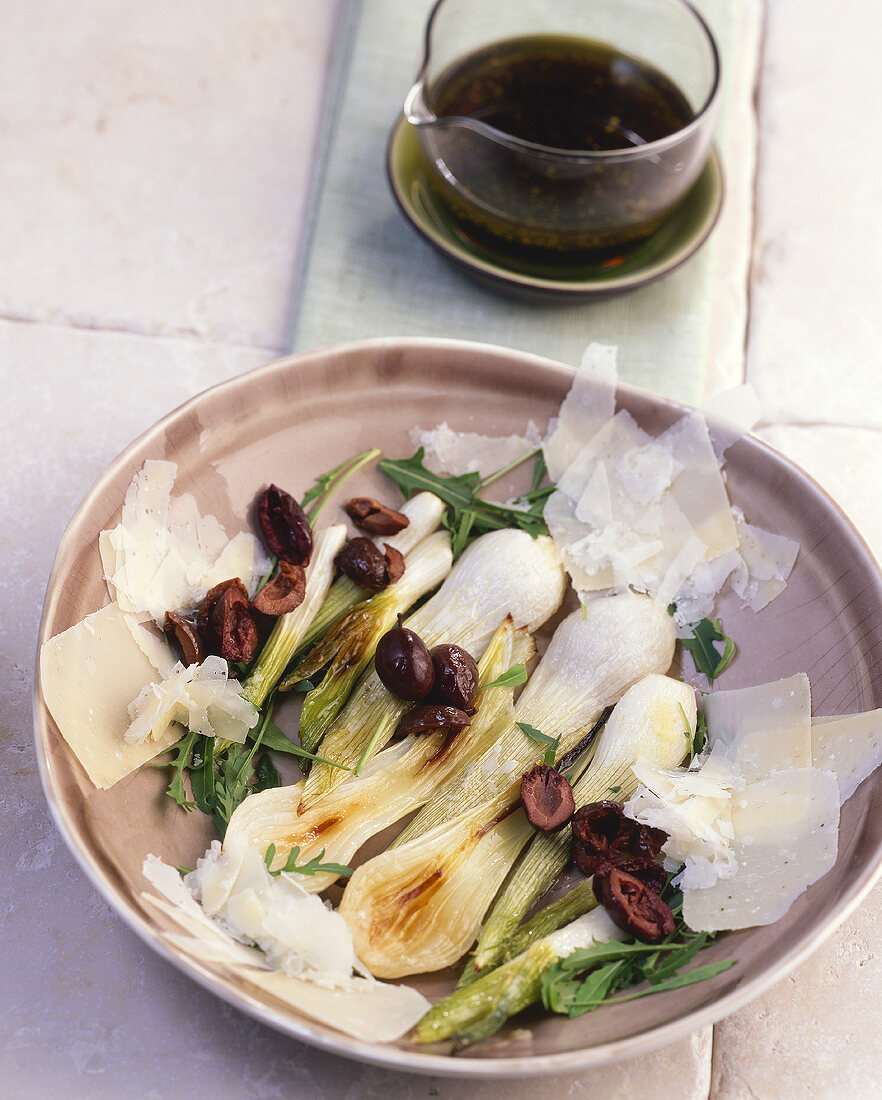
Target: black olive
(432, 718)
(547, 798)
(368, 566)
(403, 663)
(456, 676)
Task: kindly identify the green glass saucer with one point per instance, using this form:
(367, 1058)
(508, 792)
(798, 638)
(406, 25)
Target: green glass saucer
(671, 245)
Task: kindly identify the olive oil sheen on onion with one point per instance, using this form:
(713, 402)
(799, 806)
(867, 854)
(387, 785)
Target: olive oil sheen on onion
(570, 95)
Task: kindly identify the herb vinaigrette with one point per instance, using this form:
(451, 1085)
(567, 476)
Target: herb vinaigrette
(567, 94)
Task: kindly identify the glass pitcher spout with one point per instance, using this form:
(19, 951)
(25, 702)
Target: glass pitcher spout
(575, 126)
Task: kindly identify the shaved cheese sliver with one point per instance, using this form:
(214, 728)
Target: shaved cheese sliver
(765, 728)
(731, 414)
(593, 927)
(766, 562)
(699, 488)
(695, 599)
(450, 452)
(88, 675)
(850, 746)
(654, 513)
(694, 807)
(361, 1007)
(376, 1012)
(587, 407)
(785, 839)
(294, 929)
(163, 555)
(202, 697)
(612, 443)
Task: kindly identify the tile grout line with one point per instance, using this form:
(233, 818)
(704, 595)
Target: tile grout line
(182, 336)
(749, 297)
(762, 425)
(755, 206)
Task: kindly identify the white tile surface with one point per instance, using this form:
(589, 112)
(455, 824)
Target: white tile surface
(817, 326)
(156, 161)
(846, 462)
(816, 1035)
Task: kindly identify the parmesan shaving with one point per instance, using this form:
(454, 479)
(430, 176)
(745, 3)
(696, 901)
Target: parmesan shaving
(785, 838)
(295, 930)
(850, 746)
(730, 415)
(163, 555)
(450, 452)
(201, 697)
(766, 562)
(88, 676)
(654, 513)
(753, 824)
(765, 728)
(361, 1007)
(586, 408)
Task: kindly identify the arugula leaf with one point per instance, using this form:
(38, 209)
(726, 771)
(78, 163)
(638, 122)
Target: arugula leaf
(303, 686)
(513, 677)
(328, 484)
(695, 738)
(614, 790)
(700, 738)
(553, 743)
(311, 867)
(592, 976)
(179, 763)
(702, 645)
(202, 777)
(595, 988)
(266, 774)
(468, 515)
(708, 659)
(411, 476)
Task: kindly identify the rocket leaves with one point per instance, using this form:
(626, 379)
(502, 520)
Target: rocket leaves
(468, 515)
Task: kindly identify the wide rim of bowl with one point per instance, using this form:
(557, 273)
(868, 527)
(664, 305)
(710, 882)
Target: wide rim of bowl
(485, 267)
(650, 148)
(392, 1057)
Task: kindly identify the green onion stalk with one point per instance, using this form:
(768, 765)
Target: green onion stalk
(419, 905)
(650, 721)
(577, 901)
(500, 574)
(589, 664)
(475, 1011)
(424, 512)
(396, 782)
(290, 631)
(350, 645)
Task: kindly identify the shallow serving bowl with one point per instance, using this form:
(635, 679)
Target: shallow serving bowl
(298, 417)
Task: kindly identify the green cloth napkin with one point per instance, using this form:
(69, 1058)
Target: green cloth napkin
(367, 273)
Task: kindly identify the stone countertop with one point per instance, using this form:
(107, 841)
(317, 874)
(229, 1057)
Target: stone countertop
(154, 190)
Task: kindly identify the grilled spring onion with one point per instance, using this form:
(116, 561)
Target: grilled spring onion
(350, 645)
(578, 900)
(473, 1012)
(418, 906)
(655, 719)
(397, 781)
(289, 629)
(424, 512)
(504, 573)
(589, 664)
(411, 909)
